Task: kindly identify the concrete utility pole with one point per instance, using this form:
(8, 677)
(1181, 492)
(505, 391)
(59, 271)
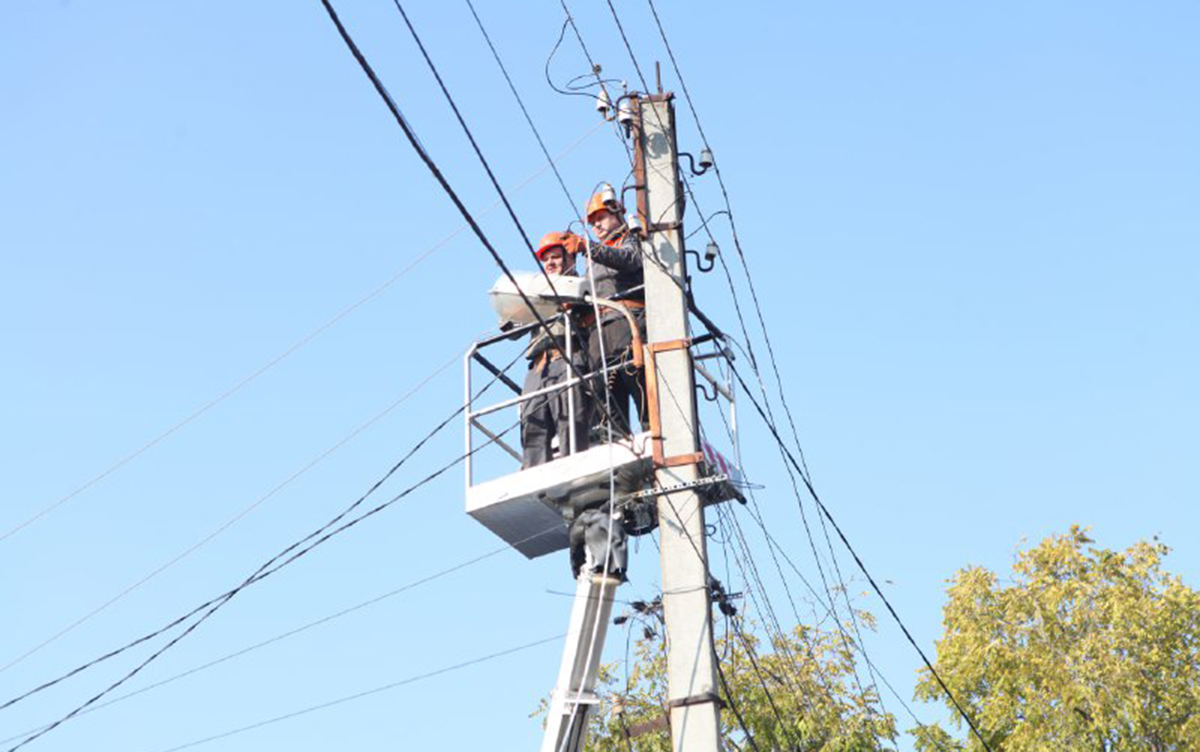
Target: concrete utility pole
(691, 661)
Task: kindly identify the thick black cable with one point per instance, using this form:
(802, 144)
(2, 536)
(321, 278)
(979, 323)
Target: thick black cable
(768, 613)
(305, 340)
(470, 137)
(858, 561)
(763, 682)
(645, 86)
(592, 66)
(562, 34)
(220, 601)
(733, 230)
(434, 170)
(602, 406)
(773, 545)
(228, 523)
(737, 713)
(272, 565)
(303, 628)
(812, 543)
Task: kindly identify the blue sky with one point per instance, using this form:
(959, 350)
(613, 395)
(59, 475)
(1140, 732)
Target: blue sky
(972, 228)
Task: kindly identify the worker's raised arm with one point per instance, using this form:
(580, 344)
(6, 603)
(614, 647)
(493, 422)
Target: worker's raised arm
(627, 257)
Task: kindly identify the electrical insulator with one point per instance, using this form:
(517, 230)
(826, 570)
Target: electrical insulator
(608, 194)
(706, 158)
(625, 113)
(634, 223)
(711, 251)
(603, 104)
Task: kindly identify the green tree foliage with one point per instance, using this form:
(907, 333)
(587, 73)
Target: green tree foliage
(796, 692)
(1084, 649)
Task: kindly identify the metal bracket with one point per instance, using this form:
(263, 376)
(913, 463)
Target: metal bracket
(664, 226)
(653, 407)
(691, 458)
(699, 699)
(711, 480)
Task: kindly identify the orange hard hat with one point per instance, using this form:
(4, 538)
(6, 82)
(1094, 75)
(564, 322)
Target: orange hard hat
(605, 198)
(568, 241)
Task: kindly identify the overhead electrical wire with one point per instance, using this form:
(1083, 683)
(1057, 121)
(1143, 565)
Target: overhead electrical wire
(436, 172)
(754, 580)
(521, 103)
(217, 604)
(730, 699)
(525, 237)
(778, 639)
(280, 560)
(733, 227)
(593, 66)
(366, 693)
(801, 467)
(645, 85)
(858, 561)
(234, 519)
(773, 546)
(292, 349)
(298, 630)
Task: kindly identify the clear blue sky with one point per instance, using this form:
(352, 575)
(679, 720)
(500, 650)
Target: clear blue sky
(973, 229)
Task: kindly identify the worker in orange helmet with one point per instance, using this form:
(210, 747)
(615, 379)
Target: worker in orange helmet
(550, 415)
(615, 269)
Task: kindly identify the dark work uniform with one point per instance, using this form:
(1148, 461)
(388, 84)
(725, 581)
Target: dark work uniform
(616, 267)
(545, 416)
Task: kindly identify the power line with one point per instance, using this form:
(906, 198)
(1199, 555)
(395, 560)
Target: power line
(297, 630)
(432, 166)
(299, 344)
(645, 85)
(274, 564)
(470, 137)
(520, 102)
(359, 695)
(773, 545)
(733, 230)
(232, 520)
(604, 405)
(436, 172)
(587, 387)
(220, 601)
(858, 561)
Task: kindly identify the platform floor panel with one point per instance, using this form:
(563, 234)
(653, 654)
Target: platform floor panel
(524, 508)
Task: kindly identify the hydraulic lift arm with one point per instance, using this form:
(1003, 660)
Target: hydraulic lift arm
(574, 695)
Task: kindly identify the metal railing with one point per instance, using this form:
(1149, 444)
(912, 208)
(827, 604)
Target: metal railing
(721, 387)
(472, 415)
